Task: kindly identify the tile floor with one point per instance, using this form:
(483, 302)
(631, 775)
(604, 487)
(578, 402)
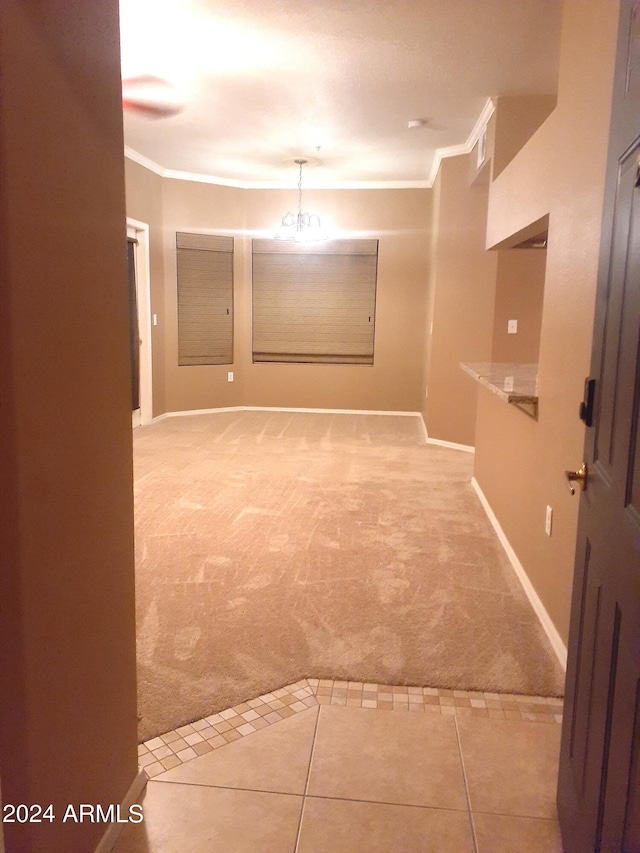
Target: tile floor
(341, 767)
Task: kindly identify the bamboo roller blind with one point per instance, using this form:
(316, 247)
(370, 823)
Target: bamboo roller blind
(314, 303)
(205, 299)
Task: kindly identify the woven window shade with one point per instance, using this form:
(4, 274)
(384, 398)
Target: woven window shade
(314, 303)
(205, 299)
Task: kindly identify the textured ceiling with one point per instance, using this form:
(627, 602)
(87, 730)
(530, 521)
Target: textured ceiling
(335, 81)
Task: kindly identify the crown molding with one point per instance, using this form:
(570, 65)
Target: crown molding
(487, 111)
(440, 154)
(141, 160)
(286, 185)
(467, 147)
(177, 175)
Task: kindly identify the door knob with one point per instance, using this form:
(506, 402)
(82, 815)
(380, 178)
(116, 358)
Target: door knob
(581, 476)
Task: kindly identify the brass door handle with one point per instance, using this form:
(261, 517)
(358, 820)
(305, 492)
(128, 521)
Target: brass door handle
(581, 475)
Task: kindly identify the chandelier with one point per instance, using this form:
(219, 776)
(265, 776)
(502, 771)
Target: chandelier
(301, 226)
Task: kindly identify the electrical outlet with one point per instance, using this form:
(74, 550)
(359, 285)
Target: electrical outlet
(512, 327)
(547, 521)
(230, 376)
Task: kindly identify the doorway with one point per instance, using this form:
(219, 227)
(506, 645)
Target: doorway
(140, 322)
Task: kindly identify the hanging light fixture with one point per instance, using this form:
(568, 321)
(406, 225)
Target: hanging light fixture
(301, 226)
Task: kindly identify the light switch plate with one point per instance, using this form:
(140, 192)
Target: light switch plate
(512, 327)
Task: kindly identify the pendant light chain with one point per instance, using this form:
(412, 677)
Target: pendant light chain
(301, 164)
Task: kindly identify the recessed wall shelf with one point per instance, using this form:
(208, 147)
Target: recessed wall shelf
(514, 383)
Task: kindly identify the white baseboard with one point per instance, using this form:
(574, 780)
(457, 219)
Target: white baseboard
(108, 840)
(467, 448)
(284, 409)
(187, 412)
(330, 411)
(545, 620)
(424, 429)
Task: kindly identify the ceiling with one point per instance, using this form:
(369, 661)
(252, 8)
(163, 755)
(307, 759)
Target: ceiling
(335, 81)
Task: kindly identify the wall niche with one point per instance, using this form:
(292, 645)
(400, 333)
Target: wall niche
(519, 297)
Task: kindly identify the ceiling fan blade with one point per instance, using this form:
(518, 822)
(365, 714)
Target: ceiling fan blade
(151, 109)
(150, 96)
(146, 80)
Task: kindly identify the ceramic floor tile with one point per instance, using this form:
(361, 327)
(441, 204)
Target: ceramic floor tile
(511, 766)
(343, 826)
(504, 834)
(411, 759)
(273, 759)
(194, 819)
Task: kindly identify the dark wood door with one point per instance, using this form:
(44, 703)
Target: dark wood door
(599, 779)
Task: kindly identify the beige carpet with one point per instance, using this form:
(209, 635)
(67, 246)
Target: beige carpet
(275, 546)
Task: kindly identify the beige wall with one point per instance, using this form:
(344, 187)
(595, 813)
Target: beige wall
(463, 280)
(144, 203)
(519, 461)
(517, 117)
(67, 641)
(431, 289)
(401, 221)
(519, 296)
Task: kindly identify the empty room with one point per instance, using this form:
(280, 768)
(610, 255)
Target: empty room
(319, 447)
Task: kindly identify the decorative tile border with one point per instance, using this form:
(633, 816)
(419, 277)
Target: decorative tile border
(501, 706)
(198, 738)
(188, 742)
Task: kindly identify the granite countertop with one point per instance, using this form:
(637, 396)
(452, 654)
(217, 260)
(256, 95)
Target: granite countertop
(513, 383)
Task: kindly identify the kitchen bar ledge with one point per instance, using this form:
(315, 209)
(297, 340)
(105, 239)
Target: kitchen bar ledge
(513, 383)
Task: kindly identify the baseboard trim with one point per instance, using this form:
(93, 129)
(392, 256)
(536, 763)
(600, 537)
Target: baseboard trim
(545, 620)
(467, 448)
(109, 839)
(284, 409)
(188, 412)
(330, 411)
(424, 428)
